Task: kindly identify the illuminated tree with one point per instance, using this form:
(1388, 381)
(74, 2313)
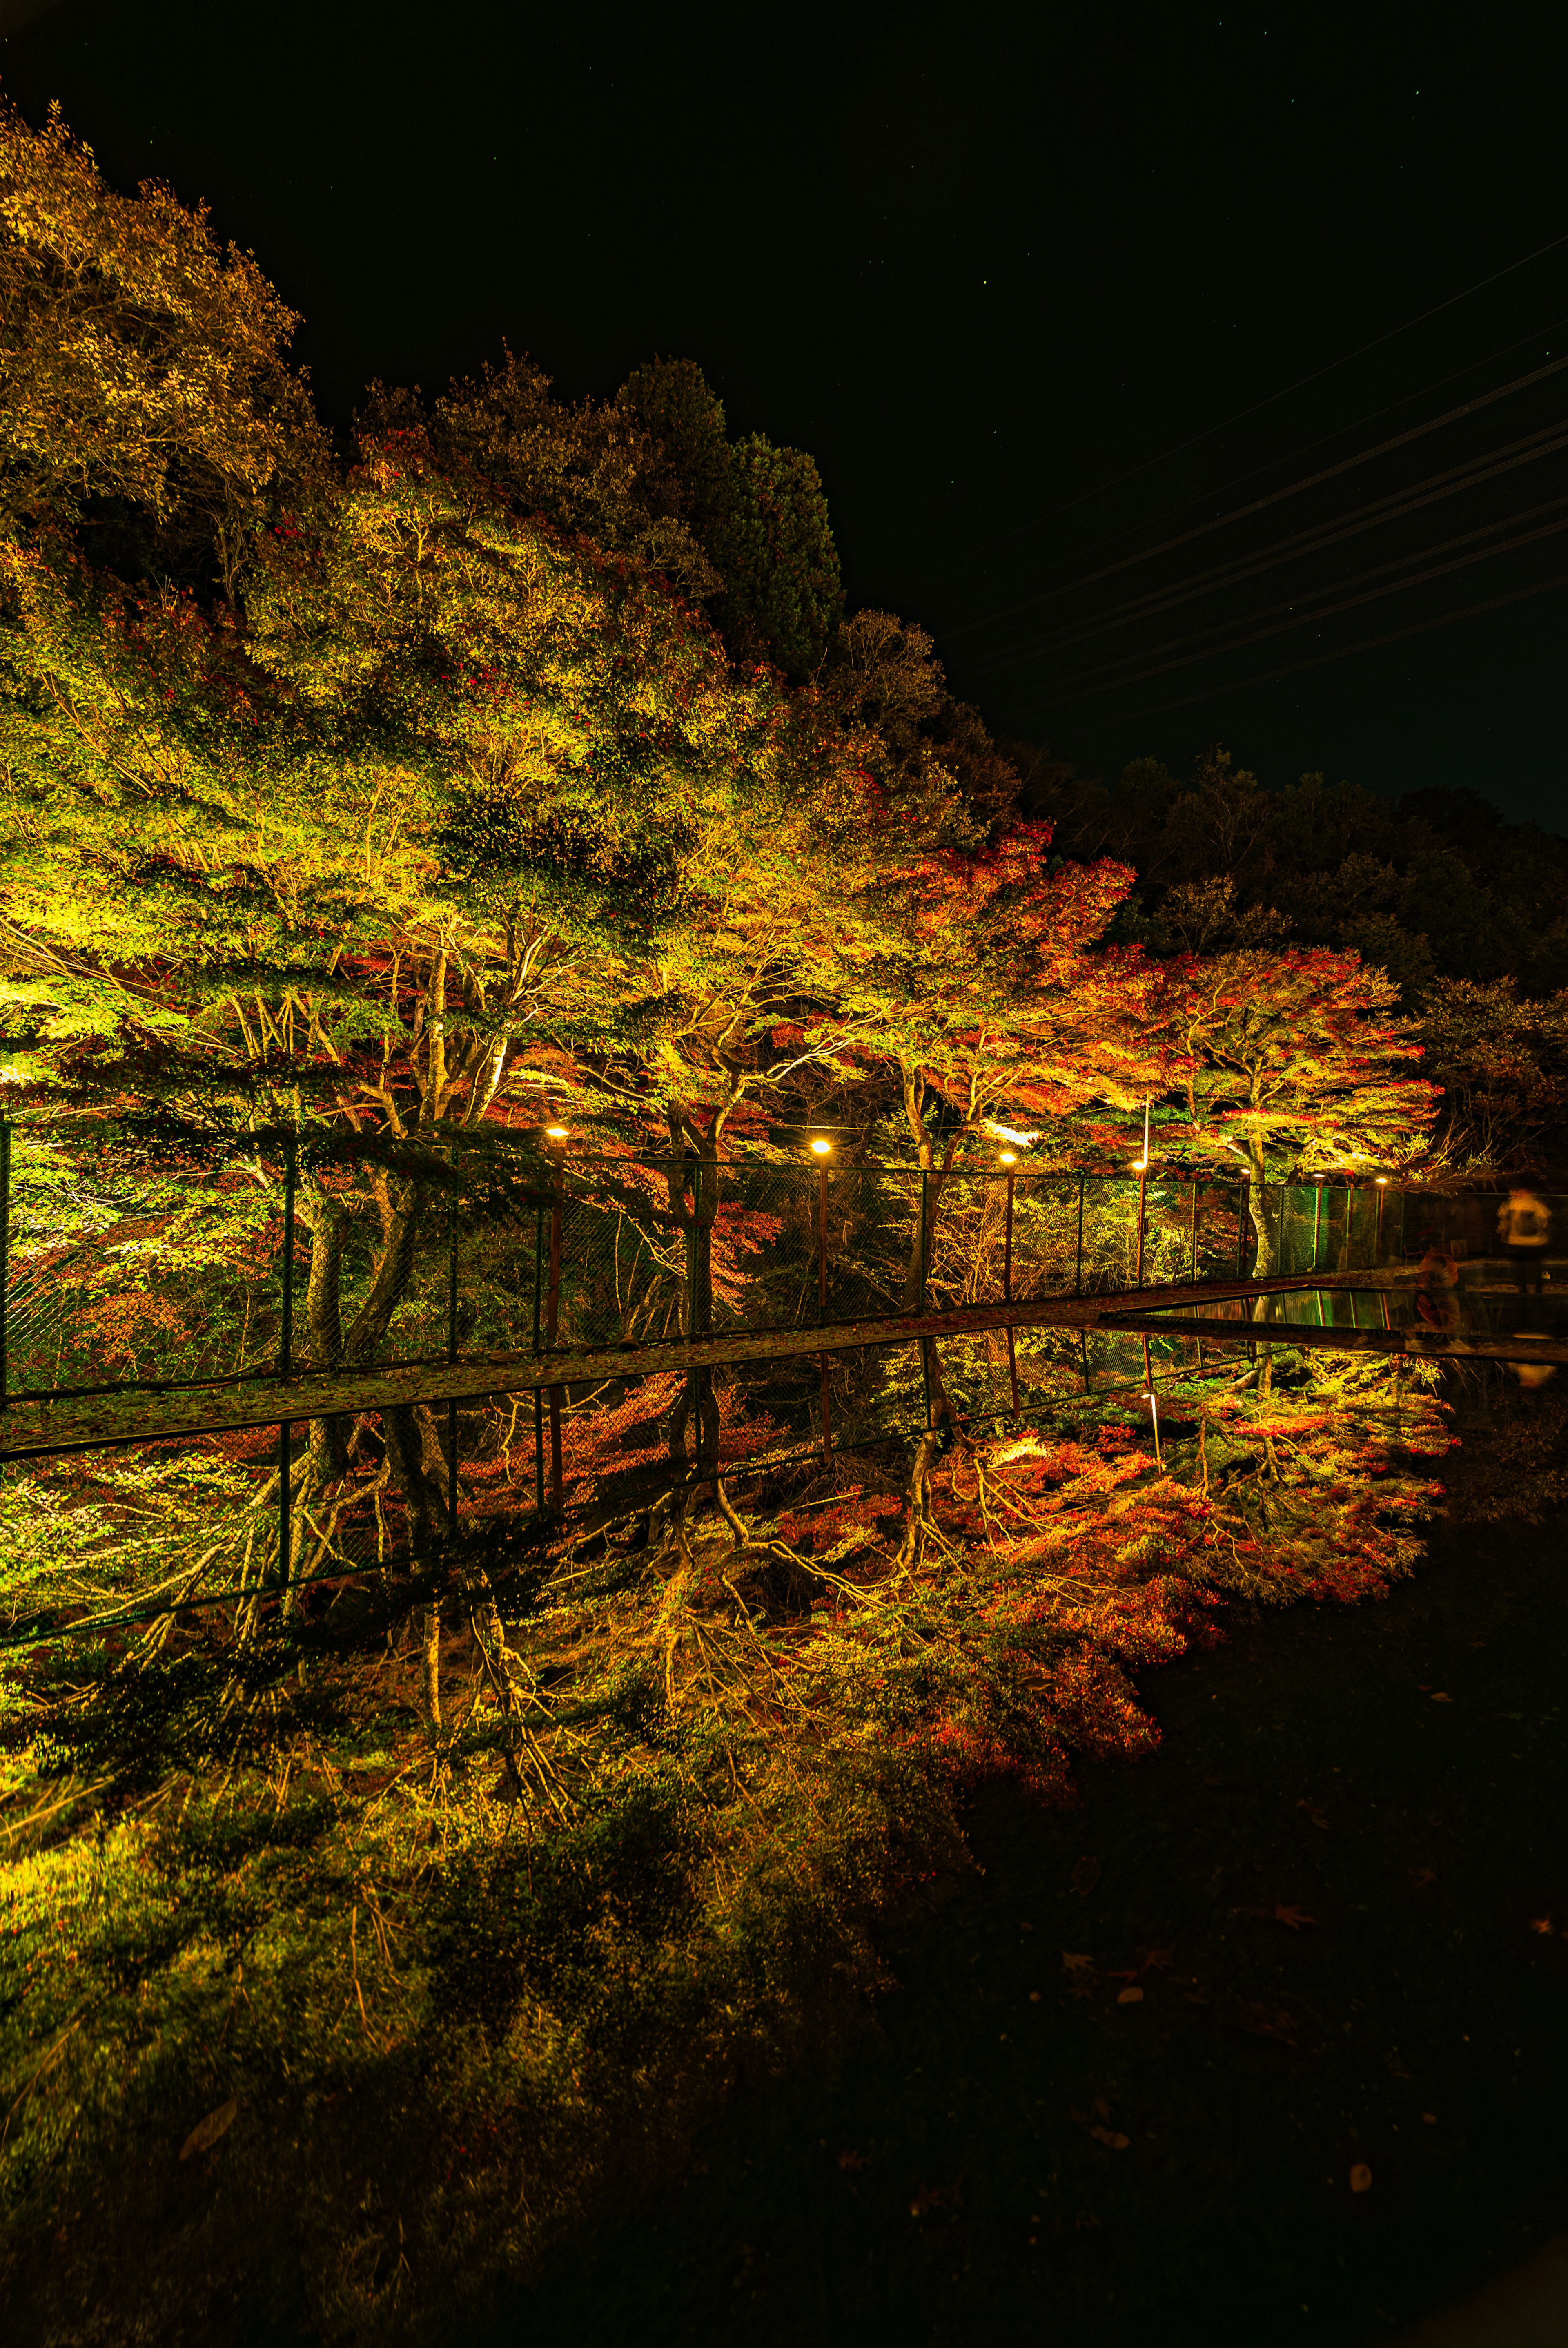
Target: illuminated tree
(1294, 1066)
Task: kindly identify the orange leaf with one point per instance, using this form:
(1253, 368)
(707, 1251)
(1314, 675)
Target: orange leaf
(1132, 1995)
(1360, 2179)
(1118, 2142)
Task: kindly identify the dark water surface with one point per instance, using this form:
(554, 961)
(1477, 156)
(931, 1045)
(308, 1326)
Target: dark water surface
(940, 2184)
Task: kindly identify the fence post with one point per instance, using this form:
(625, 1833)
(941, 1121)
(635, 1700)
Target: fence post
(1143, 1185)
(286, 1339)
(1078, 1284)
(1318, 1226)
(4, 1249)
(286, 1369)
(925, 1267)
(539, 1391)
(1279, 1253)
(1378, 1229)
(452, 1348)
(1242, 1189)
(1194, 1230)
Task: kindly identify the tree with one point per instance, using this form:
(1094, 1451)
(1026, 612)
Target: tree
(140, 365)
(1294, 1065)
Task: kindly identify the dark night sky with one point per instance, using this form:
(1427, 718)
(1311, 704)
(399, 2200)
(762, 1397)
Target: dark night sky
(985, 265)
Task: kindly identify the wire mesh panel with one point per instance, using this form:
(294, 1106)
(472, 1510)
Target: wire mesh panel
(1220, 1231)
(1044, 1235)
(1110, 1233)
(121, 1274)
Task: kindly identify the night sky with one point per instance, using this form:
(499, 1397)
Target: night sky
(1011, 277)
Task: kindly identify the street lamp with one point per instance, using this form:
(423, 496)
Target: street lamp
(820, 1148)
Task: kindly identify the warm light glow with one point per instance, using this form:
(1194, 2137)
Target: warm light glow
(821, 1147)
(1140, 1166)
(1382, 1182)
(557, 1132)
(1010, 1156)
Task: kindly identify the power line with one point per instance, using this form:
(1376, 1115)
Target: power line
(1292, 490)
(1304, 607)
(1351, 603)
(1547, 442)
(1371, 645)
(1181, 447)
(1271, 464)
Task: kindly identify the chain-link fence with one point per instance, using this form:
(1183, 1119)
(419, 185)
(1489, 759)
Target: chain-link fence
(480, 1247)
(301, 1255)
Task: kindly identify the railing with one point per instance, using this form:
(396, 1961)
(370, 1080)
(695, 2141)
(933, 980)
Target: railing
(141, 1283)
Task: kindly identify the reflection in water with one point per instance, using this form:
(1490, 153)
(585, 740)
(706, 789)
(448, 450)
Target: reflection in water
(1445, 1297)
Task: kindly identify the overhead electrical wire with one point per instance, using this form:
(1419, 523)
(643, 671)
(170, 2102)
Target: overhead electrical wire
(1305, 605)
(1351, 603)
(1371, 644)
(1546, 442)
(1273, 397)
(1291, 489)
(1273, 464)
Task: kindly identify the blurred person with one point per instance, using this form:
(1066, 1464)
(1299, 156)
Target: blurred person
(1524, 1226)
(1436, 1288)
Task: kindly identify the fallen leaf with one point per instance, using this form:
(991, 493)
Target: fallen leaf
(1117, 2142)
(1438, 1697)
(1423, 1875)
(1360, 2179)
(1034, 1997)
(1431, 2118)
(1319, 1816)
(1162, 1958)
(1132, 1995)
(1026, 1927)
(1085, 1876)
(1077, 1961)
(850, 2160)
(206, 2133)
(1541, 1924)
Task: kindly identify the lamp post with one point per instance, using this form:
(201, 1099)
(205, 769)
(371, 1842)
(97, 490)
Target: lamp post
(1140, 1168)
(822, 1150)
(1009, 1160)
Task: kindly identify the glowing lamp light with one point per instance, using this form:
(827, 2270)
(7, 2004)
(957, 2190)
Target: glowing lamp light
(1382, 1182)
(820, 1148)
(557, 1133)
(1010, 1156)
